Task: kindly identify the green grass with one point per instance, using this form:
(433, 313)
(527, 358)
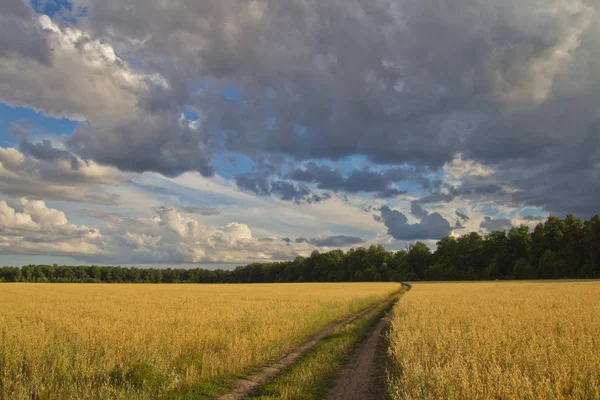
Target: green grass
(317, 370)
(202, 390)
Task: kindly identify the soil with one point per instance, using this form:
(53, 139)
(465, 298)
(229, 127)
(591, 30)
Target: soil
(363, 378)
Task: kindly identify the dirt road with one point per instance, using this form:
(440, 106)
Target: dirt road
(364, 376)
(246, 386)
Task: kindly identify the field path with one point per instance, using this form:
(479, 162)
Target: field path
(363, 378)
(245, 386)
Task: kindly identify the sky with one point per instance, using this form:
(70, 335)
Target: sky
(222, 132)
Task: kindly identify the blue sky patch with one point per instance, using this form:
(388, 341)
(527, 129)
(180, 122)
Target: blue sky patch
(10, 115)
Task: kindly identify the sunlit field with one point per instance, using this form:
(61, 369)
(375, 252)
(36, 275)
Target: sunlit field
(144, 341)
(500, 340)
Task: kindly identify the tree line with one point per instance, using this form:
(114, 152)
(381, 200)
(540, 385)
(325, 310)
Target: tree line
(556, 248)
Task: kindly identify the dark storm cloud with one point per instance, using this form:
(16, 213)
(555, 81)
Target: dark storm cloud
(260, 184)
(473, 188)
(390, 192)
(370, 63)
(431, 226)
(159, 145)
(358, 180)
(25, 175)
(336, 241)
(512, 85)
(252, 182)
(289, 191)
(301, 240)
(491, 224)
(19, 36)
(564, 181)
(42, 150)
(417, 210)
(45, 151)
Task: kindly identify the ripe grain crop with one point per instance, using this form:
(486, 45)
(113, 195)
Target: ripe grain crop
(503, 340)
(145, 341)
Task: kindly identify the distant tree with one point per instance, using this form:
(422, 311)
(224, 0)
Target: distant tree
(419, 257)
(591, 249)
(411, 277)
(518, 243)
(524, 270)
(438, 272)
(548, 265)
(490, 272)
(384, 272)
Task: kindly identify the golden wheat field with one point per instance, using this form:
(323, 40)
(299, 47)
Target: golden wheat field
(143, 341)
(499, 340)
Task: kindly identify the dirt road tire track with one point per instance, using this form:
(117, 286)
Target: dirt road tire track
(246, 386)
(363, 378)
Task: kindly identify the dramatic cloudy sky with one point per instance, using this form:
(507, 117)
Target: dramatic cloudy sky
(221, 132)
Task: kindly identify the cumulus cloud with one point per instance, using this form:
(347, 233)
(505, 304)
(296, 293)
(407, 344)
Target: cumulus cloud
(528, 220)
(19, 34)
(417, 210)
(431, 226)
(37, 229)
(491, 224)
(260, 184)
(63, 87)
(467, 180)
(359, 180)
(171, 237)
(87, 80)
(417, 106)
(492, 78)
(472, 100)
(55, 177)
(141, 241)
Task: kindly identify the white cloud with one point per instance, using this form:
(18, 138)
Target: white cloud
(25, 175)
(85, 79)
(532, 81)
(37, 229)
(12, 220)
(141, 241)
(460, 169)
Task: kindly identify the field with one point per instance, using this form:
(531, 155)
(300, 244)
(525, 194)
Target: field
(489, 340)
(144, 341)
(534, 340)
